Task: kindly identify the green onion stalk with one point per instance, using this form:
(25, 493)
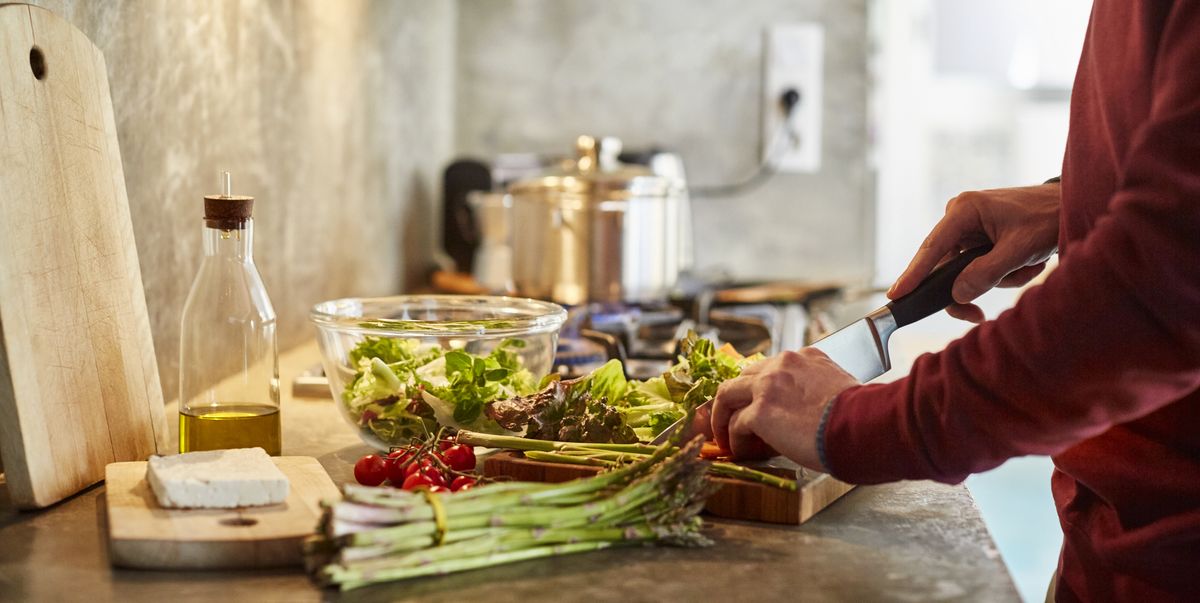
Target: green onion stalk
(609, 455)
(378, 534)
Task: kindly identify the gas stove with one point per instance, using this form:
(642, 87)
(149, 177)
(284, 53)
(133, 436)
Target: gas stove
(644, 337)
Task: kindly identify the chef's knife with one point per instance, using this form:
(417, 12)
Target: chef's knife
(861, 348)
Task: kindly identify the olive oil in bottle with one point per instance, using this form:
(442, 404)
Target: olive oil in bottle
(228, 359)
(230, 426)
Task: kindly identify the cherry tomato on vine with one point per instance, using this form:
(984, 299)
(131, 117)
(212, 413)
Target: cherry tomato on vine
(460, 457)
(462, 482)
(371, 470)
(418, 465)
(417, 480)
(396, 467)
(435, 475)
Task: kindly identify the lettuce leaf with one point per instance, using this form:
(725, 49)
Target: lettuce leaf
(387, 349)
(608, 382)
(657, 403)
(649, 406)
(375, 381)
(402, 389)
(447, 413)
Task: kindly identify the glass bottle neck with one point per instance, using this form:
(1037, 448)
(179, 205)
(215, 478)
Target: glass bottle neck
(234, 244)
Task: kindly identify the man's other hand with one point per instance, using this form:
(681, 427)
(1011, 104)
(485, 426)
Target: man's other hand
(776, 404)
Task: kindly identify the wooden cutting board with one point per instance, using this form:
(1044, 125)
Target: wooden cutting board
(141, 534)
(737, 499)
(79, 386)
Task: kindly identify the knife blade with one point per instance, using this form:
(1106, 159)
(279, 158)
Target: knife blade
(861, 348)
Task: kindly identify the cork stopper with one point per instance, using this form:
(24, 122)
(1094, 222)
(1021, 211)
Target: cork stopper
(227, 211)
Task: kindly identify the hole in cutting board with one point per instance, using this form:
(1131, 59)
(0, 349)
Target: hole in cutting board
(238, 522)
(37, 62)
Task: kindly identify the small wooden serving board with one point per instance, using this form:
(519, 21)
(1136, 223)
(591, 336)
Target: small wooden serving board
(737, 499)
(141, 534)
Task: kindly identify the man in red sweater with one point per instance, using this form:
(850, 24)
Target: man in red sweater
(1098, 367)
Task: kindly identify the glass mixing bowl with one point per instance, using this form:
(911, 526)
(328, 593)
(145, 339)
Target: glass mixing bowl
(473, 324)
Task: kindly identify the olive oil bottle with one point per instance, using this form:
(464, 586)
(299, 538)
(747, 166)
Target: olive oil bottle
(228, 357)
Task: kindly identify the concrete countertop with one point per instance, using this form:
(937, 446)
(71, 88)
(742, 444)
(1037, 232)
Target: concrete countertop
(911, 541)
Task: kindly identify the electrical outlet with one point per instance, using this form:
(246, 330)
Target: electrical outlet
(795, 55)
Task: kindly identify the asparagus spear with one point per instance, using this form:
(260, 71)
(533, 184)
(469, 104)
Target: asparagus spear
(378, 534)
(608, 455)
(350, 577)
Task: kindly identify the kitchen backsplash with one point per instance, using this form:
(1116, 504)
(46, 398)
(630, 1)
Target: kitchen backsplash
(685, 75)
(333, 114)
(339, 116)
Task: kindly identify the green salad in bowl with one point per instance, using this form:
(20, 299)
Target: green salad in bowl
(400, 367)
(401, 391)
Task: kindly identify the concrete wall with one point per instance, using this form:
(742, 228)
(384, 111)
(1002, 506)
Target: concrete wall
(335, 115)
(339, 116)
(684, 74)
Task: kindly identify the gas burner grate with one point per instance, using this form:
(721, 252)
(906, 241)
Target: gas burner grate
(645, 338)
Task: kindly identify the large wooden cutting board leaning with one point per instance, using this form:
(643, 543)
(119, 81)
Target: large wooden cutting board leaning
(737, 499)
(79, 385)
(141, 534)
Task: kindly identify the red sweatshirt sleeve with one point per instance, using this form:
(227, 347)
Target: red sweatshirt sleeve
(1113, 334)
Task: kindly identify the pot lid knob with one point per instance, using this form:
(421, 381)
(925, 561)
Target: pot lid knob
(587, 153)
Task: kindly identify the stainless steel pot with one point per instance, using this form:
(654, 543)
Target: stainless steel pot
(597, 231)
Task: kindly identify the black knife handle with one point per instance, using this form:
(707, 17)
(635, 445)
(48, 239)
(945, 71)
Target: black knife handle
(934, 293)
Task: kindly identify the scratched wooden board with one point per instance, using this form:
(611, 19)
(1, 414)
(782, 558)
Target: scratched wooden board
(141, 534)
(737, 499)
(79, 386)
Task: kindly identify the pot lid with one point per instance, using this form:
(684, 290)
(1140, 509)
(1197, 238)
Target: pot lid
(595, 173)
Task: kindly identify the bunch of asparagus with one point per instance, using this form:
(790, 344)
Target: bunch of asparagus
(379, 534)
(608, 455)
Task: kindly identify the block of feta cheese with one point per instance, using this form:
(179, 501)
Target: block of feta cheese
(216, 479)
